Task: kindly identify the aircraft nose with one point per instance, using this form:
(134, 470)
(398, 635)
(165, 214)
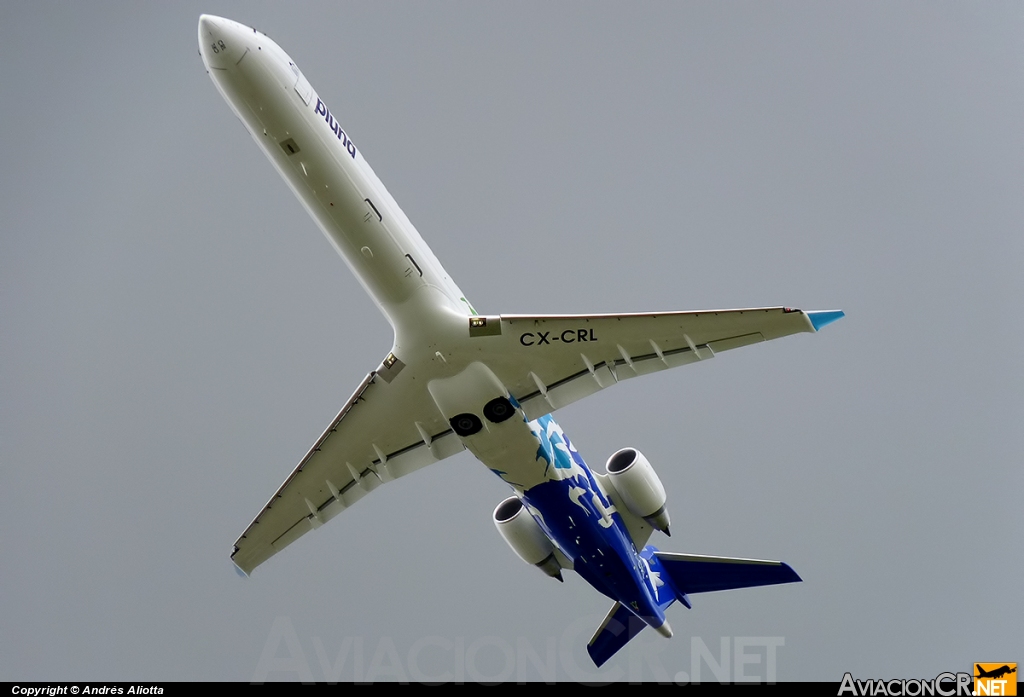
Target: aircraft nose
(222, 42)
(207, 23)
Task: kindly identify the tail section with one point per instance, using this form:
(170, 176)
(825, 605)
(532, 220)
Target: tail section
(682, 574)
(619, 626)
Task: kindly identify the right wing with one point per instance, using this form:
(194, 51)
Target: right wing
(549, 361)
(387, 429)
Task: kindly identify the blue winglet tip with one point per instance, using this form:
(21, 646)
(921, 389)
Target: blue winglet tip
(238, 570)
(824, 318)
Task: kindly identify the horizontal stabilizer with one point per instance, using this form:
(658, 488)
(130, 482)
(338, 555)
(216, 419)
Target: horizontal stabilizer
(695, 573)
(619, 626)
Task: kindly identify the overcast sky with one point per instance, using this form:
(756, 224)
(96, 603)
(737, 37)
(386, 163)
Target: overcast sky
(175, 331)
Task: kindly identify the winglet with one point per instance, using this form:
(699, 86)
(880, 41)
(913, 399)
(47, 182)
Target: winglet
(823, 318)
(238, 570)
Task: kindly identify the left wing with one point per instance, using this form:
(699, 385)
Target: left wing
(388, 428)
(549, 361)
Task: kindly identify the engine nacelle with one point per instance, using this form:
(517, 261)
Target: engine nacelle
(525, 537)
(637, 484)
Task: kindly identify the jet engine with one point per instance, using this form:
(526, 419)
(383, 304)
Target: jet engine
(525, 537)
(636, 483)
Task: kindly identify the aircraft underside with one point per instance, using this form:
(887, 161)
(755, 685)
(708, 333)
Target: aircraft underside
(457, 380)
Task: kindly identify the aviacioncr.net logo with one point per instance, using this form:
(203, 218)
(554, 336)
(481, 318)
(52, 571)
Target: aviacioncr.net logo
(995, 679)
(943, 685)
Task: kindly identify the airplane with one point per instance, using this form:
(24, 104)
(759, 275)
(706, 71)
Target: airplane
(995, 673)
(458, 380)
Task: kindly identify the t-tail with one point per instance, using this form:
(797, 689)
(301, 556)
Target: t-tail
(676, 577)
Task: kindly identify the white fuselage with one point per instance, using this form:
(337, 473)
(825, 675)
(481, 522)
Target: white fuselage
(316, 157)
(300, 135)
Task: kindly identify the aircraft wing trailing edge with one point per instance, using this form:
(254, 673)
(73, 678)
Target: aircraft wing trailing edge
(386, 430)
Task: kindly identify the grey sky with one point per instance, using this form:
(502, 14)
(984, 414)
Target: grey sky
(175, 331)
